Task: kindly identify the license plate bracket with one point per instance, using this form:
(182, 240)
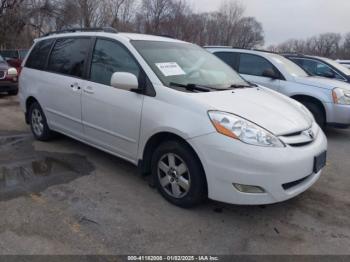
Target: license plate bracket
(320, 162)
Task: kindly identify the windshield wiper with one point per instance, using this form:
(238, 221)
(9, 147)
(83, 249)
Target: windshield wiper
(241, 86)
(191, 87)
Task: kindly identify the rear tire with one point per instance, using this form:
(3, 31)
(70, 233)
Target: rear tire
(317, 113)
(38, 123)
(178, 174)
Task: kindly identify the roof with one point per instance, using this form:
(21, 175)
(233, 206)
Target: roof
(125, 36)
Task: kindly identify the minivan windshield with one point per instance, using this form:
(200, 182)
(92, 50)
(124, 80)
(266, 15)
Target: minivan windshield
(292, 68)
(187, 64)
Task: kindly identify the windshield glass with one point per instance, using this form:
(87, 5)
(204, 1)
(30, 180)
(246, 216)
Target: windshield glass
(338, 66)
(185, 64)
(1, 59)
(292, 68)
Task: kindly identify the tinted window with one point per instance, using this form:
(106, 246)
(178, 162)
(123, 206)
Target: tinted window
(254, 65)
(299, 62)
(68, 56)
(108, 58)
(317, 68)
(229, 58)
(38, 56)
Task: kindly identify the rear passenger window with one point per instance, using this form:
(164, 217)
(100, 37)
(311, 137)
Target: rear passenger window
(110, 57)
(68, 56)
(254, 65)
(38, 56)
(229, 58)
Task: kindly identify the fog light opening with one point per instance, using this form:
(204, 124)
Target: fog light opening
(249, 189)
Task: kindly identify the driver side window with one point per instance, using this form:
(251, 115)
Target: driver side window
(320, 69)
(110, 57)
(254, 65)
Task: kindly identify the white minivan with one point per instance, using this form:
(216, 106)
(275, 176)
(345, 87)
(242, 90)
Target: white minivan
(177, 112)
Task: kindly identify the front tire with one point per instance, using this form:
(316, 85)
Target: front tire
(178, 174)
(38, 123)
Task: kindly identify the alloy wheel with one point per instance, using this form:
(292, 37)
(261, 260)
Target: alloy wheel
(174, 175)
(37, 122)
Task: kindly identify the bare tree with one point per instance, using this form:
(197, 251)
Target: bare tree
(121, 14)
(345, 49)
(155, 12)
(33, 18)
(229, 19)
(249, 33)
(327, 45)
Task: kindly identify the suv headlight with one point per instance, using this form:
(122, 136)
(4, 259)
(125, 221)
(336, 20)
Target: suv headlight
(241, 129)
(341, 96)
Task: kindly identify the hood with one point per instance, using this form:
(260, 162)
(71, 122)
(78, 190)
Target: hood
(322, 82)
(276, 113)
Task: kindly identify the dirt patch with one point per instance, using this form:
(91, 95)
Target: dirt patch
(24, 171)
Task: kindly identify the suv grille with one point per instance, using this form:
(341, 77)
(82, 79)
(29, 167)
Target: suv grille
(2, 74)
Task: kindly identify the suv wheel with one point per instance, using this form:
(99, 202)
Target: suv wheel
(317, 113)
(178, 174)
(38, 124)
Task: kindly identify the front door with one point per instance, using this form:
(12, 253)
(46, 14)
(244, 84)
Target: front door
(111, 116)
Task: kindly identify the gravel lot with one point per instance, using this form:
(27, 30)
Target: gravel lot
(64, 197)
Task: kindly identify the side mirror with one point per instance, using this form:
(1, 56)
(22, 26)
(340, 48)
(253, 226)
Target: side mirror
(270, 73)
(12, 72)
(125, 81)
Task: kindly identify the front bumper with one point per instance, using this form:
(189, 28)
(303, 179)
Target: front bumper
(338, 115)
(6, 86)
(227, 161)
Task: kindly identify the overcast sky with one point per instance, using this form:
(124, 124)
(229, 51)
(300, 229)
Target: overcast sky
(285, 19)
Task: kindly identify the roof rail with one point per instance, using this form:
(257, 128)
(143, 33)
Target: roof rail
(216, 46)
(292, 54)
(254, 49)
(73, 30)
(264, 50)
(167, 36)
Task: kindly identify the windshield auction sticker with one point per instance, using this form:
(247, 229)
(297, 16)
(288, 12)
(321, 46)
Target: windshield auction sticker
(170, 69)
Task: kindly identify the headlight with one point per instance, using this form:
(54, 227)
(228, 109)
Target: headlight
(341, 96)
(239, 128)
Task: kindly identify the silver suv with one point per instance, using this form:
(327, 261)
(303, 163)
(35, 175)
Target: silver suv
(327, 99)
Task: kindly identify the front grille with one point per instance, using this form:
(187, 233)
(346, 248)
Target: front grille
(289, 185)
(300, 138)
(301, 144)
(2, 74)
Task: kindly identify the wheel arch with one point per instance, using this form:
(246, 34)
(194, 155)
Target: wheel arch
(157, 139)
(307, 98)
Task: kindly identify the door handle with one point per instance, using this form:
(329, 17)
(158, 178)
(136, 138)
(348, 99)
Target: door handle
(89, 90)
